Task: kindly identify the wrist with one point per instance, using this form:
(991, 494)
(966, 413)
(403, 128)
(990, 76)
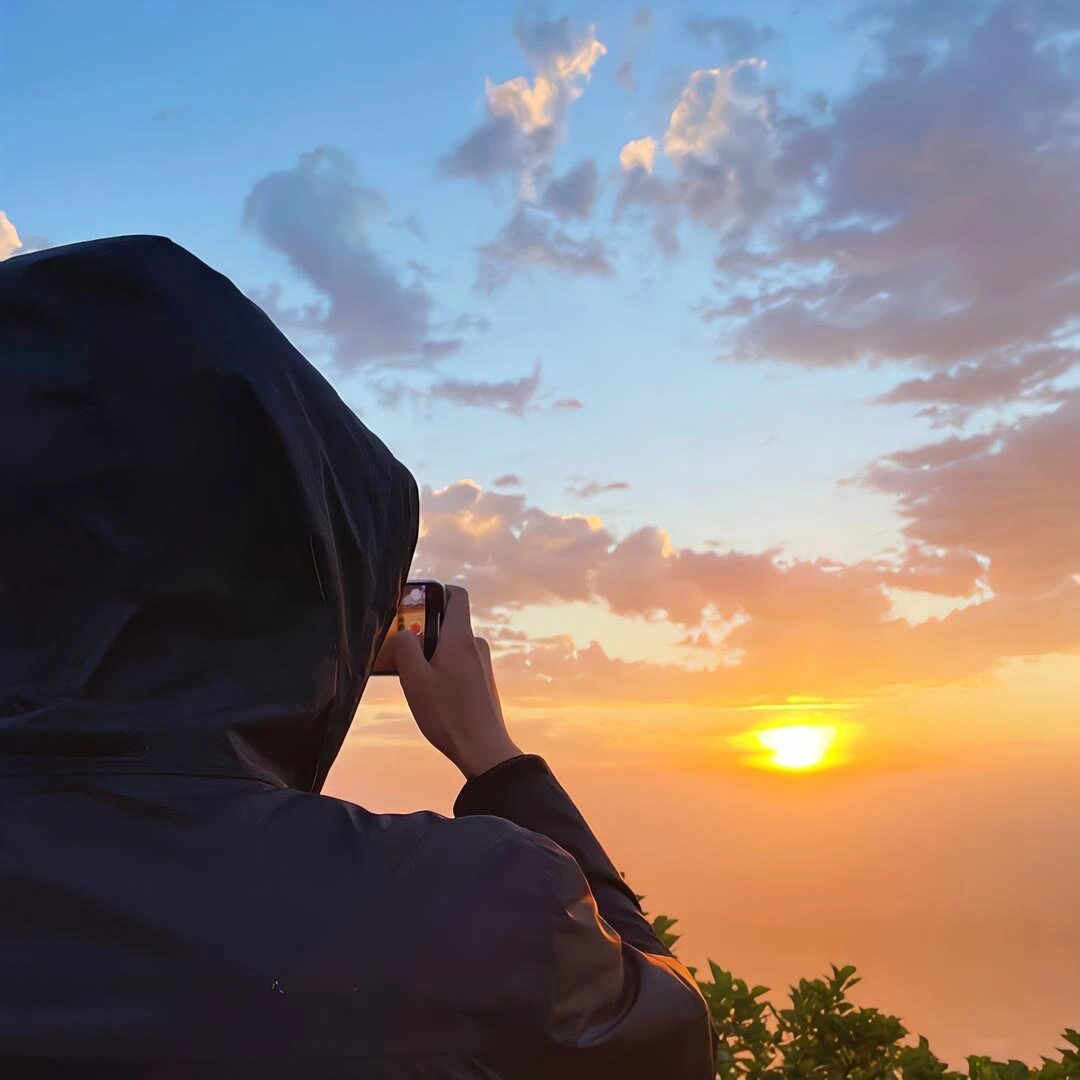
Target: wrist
(479, 759)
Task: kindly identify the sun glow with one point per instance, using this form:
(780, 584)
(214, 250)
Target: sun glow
(799, 747)
(792, 748)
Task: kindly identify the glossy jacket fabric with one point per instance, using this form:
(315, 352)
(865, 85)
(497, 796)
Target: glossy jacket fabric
(202, 548)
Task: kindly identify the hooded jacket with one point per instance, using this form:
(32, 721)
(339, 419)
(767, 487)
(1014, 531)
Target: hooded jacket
(201, 550)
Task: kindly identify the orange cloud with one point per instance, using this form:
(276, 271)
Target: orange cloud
(993, 520)
(1010, 497)
(638, 154)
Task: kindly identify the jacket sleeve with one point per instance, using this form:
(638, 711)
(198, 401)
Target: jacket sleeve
(622, 1005)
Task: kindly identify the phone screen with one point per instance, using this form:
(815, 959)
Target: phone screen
(412, 610)
(419, 612)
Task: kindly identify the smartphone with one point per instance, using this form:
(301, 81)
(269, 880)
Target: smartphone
(420, 612)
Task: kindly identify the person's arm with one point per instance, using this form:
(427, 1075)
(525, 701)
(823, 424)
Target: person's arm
(523, 790)
(622, 1006)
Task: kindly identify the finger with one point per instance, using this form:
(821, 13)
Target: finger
(457, 618)
(408, 656)
(484, 649)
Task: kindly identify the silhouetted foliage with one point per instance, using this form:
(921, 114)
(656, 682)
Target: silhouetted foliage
(822, 1034)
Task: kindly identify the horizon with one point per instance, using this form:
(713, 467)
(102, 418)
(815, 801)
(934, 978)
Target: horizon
(737, 357)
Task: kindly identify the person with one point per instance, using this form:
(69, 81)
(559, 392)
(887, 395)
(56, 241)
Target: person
(203, 550)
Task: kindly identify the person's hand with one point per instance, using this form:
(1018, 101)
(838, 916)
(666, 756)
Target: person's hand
(453, 697)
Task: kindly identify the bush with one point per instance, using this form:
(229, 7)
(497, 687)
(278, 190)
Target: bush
(823, 1034)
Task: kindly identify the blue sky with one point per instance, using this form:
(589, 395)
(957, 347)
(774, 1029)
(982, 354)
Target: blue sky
(161, 117)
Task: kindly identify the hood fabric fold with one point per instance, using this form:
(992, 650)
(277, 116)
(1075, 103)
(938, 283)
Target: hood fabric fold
(201, 545)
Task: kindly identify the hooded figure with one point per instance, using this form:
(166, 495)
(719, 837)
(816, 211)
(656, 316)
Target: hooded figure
(202, 552)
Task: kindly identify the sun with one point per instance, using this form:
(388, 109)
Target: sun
(793, 748)
(802, 746)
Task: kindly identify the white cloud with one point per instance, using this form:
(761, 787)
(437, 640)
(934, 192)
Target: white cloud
(9, 237)
(638, 154)
(530, 107)
(559, 82)
(722, 141)
(526, 119)
(701, 117)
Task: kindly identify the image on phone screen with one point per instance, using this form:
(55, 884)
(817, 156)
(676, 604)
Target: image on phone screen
(412, 610)
(418, 613)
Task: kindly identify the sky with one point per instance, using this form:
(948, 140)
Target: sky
(735, 349)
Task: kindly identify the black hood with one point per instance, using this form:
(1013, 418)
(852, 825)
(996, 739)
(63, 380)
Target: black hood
(201, 546)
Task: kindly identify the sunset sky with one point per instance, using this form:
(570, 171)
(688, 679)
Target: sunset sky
(736, 350)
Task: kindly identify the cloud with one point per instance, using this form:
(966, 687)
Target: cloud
(1009, 495)
(638, 154)
(497, 147)
(722, 144)
(572, 195)
(954, 448)
(9, 237)
(789, 627)
(990, 380)
(511, 553)
(508, 480)
(391, 395)
(947, 222)
(530, 240)
(514, 396)
(511, 395)
(568, 403)
(527, 119)
(317, 214)
(736, 37)
(470, 320)
(930, 217)
(704, 112)
(587, 491)
(990, 518)
(494, 538)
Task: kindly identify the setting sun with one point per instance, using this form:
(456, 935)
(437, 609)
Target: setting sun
(792, 748)
(800, 747)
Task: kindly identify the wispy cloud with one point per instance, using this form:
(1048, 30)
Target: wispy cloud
(588, 490)
(509, 395)
(993, 379)
(572, 195)
(720, 146)
(947, 227)
(931, 217)
(318, 215)
(1009, 495)
(527, 120)
(531, 240)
